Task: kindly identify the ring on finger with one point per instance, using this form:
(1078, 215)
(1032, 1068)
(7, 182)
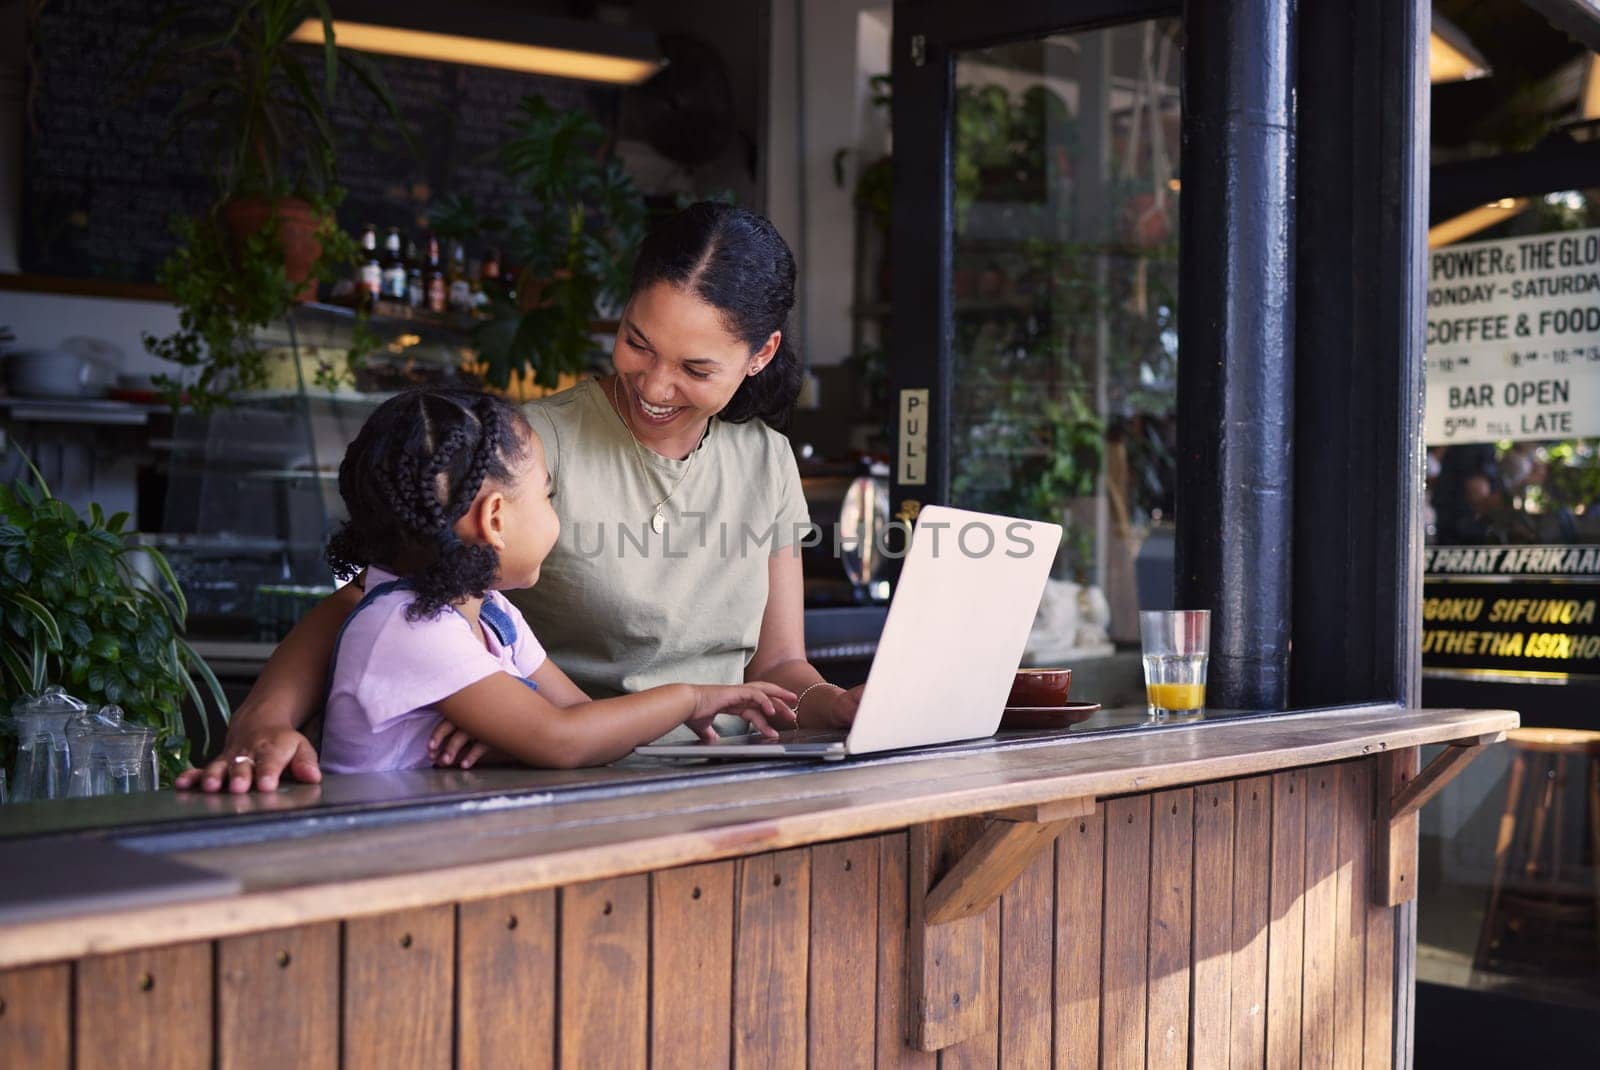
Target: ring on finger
(240, 759)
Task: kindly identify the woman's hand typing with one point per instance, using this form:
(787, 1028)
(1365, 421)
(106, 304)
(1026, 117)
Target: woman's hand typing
(758, 702)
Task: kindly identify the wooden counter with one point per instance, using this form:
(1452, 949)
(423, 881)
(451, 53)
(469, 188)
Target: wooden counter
(1224, 891)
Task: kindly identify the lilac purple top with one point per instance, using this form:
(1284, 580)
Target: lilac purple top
(389, 673)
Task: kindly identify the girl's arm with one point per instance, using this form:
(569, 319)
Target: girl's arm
(504, 713)
(265, 729)
(780, 656)
(449, 745)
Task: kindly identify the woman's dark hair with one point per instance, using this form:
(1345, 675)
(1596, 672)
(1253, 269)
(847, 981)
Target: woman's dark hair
(413, 470)
(735, 261)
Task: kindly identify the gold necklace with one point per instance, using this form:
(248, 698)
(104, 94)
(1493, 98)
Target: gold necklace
(658, 522)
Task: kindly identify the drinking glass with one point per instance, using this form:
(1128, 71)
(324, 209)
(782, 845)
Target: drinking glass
(1176, 643)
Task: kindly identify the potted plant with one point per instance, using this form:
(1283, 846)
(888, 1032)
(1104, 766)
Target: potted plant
(572, 234)
(78, 612)
(269, 233)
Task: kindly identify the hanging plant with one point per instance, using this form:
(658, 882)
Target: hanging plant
(269, 234)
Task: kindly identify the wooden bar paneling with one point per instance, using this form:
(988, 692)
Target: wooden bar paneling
(1350, 912)
(1125, 939)
(1287, 932)
(604, 1001)
(278, 999)
(1252, 910)
(1027, 965)
(893, 1050)
(36, 1016)
(1321, 917)
(1395, 860)
(1235, 923)
(1171, 903)
(691, 966)
(506, 981)
(399, 989)
(1080, 875)
(769, 972)
(842, 976)
(1388, 776)
(1212, 945)
(950, 967)
(148, 1008)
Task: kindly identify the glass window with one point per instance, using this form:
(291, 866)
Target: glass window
(1065, 279)
(1510, 896)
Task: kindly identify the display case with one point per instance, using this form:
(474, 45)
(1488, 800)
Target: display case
(251, 489)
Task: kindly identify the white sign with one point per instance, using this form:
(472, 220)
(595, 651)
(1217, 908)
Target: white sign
(1514, 339)
(913, 437)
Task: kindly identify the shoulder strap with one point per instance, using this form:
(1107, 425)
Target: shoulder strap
(497, 620)
(366, 600)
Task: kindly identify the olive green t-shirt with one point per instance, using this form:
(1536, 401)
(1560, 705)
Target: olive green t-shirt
(621, 608)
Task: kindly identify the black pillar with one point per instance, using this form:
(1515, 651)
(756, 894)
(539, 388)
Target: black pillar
(1362, 239)
(1236, 337)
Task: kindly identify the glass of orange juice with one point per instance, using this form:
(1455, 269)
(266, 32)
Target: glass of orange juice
(1176, 644)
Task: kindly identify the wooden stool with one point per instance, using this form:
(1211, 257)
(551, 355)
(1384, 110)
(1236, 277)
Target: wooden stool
(1534, 922)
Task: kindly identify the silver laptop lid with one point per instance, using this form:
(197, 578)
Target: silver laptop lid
(956, 630)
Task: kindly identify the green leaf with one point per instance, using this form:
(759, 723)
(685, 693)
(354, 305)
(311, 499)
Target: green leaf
(160, 561)
(21, 671)
(106, 647)
(198, 665)
(34, 608)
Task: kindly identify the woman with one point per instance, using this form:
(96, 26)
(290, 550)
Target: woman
(679, 500)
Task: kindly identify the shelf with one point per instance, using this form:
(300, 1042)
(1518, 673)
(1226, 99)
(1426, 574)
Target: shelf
(100, 411)
(66, 286)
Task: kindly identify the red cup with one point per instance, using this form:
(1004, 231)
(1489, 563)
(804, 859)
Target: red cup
(1040, 688)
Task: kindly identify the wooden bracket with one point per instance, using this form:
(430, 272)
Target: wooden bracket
(958, 871)
(1402, 792)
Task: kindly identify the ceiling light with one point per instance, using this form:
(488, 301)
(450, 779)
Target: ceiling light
(558, 48)
(1451, 56)
(1469, 223)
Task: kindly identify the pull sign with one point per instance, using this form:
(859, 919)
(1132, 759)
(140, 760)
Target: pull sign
(913, 437)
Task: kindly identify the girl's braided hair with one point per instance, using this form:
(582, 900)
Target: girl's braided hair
(414, 469)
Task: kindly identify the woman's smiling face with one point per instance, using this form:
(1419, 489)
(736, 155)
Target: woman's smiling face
(678, 366)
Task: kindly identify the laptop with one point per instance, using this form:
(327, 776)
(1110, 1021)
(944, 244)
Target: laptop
(951, 644)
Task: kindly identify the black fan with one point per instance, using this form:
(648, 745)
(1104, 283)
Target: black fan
(686, 111)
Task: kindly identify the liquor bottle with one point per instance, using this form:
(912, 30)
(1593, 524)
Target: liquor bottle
(460, 283)
(416, 288)
(394, 268)
(438, 294)
(371, 284)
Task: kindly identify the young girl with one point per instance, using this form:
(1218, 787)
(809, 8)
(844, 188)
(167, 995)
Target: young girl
(449, 499)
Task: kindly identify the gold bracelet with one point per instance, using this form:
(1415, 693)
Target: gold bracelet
(807, 691)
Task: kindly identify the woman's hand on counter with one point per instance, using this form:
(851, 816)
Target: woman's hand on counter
(256, 757)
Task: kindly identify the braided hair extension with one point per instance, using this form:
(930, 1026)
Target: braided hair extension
(415, 469)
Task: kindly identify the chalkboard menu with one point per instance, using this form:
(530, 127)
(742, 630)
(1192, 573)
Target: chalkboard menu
(103, 181)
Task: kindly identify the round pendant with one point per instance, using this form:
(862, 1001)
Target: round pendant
(658, 523)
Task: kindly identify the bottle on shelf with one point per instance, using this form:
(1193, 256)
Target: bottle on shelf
(491, 269)
(394, 268)
(416, 288)
(371, 279)
(460, 281)
(437, 290)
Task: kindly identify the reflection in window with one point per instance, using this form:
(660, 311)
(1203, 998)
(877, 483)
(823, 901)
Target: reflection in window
(1066, 293)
